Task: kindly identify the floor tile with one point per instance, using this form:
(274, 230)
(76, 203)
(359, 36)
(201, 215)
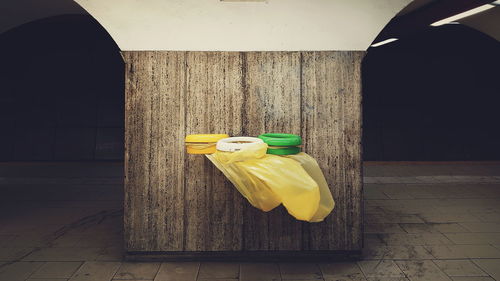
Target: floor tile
(449, 227)
(18, 271)
(354, 277)
(348, 271)
(481, 226)
(47, 279)
(472, 279)
(418, 228)
(433, 228)
(414, 239)
(178, 271)
(371, 210)
(70, 241)
(388, 279)
(463, 251)
(393, 218)
(422, 271)
(488, 216)
(13, 254)
(372, 239)
(441, 217)
(372, 191)
(29, 240)
(380, 268)
(110, 254)
(104, 240)
(259, 272)
(5, 239)
(474, 238)
(219, 270)
(459, 268)
(490, 266)
(217, 279)
(395, 252)
(63, 254)
(303, 271)
(434, 239)
(396, 191)
(57, 270)
(137, 271)
(92, 271)
(384, 228)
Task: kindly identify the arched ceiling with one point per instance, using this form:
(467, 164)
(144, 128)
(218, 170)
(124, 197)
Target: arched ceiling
(232, 25)
(14, 13)
(487, 22)
(241, 25)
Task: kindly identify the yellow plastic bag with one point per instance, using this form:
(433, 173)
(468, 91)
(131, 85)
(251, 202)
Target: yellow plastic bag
(288, 145)
(267, 180)
(311, 166)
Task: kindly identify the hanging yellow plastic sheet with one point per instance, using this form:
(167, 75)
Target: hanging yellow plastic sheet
(288, 145)
(266, 180)
(310, 165)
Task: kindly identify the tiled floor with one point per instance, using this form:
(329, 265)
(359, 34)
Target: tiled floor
(423, 222)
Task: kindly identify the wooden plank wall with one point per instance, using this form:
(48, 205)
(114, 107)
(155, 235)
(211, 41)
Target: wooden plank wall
(180, 202)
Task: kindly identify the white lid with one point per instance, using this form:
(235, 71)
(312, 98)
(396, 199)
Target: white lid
(236, 143)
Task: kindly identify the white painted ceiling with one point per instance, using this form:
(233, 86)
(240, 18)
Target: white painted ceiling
(235, 26)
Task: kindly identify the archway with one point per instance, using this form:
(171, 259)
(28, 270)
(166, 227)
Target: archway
(431, 95)
(62, 80)
(61, 151)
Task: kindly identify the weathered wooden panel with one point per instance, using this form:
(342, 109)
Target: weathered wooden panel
(272, 105)
(154, 160)
(179, 202)
(331, 128)
(214, 104)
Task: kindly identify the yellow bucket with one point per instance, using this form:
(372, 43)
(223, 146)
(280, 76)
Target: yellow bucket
(203, 143)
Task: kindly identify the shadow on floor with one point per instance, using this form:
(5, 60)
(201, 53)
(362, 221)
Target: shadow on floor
(422, 222)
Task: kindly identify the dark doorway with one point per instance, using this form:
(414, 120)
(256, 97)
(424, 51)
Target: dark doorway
(433, 96)
(61, 93)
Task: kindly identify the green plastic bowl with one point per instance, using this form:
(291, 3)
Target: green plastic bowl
(282, 144)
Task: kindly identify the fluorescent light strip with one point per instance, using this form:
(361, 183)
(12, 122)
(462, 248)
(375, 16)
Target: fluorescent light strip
(464, 14)
(387, 41)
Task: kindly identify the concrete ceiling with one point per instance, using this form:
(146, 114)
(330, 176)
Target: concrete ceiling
(487, 22)
(17, 12)
(214, 25)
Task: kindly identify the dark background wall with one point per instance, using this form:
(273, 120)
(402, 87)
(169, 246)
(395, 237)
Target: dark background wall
(433, 96)
(61, 92)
